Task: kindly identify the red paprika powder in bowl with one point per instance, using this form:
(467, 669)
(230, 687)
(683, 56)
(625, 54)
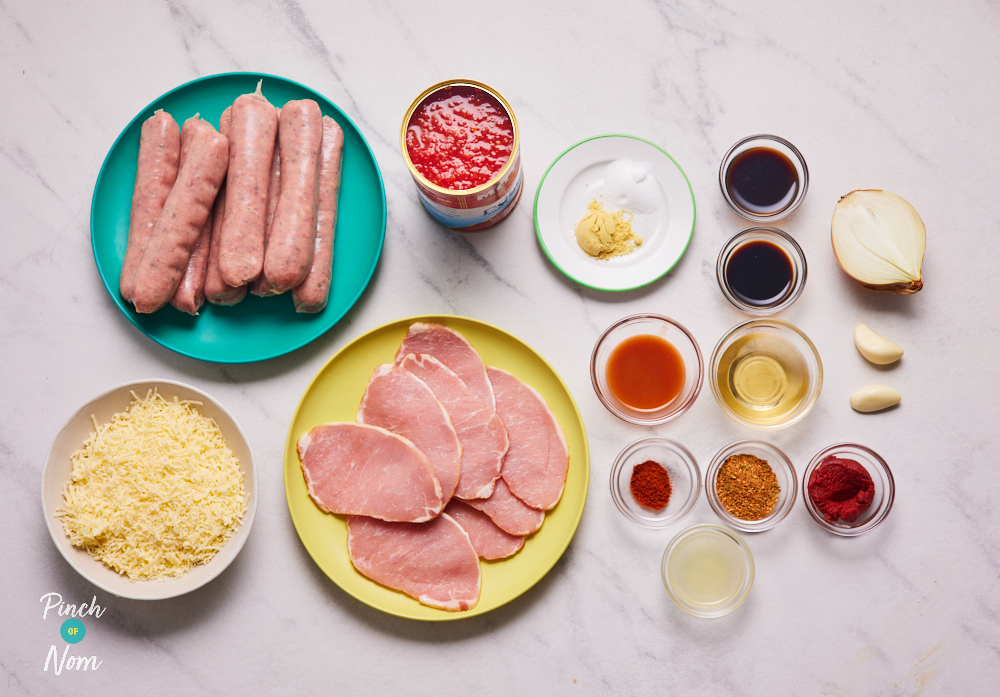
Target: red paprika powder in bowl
(655, 482)
(848, 489)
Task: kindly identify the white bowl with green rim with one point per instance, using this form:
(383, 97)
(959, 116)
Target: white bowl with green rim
(664, 217)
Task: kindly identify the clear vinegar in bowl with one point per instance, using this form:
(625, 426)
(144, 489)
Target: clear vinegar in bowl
(762, 378)
(707, 570)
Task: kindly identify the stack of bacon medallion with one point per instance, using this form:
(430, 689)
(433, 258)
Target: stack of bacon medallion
(449, 461)
(250, 206)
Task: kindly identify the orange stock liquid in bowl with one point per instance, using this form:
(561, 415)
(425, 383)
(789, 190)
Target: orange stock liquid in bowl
(646, 369)
(645, 372)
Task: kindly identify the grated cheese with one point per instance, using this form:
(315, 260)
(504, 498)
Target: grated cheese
(155, 491)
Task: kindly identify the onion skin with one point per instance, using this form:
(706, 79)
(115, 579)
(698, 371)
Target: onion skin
(897, 288)
(903, 287)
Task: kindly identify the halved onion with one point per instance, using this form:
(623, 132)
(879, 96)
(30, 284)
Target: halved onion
(879, 240)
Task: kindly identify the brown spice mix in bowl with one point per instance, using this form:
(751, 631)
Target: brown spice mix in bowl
(747, 487)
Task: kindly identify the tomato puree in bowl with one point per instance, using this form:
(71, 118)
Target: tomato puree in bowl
(841, 489)
(459, 137)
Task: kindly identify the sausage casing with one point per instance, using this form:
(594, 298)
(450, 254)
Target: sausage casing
(217, 291)
(311, 295)
(190, 293)
(252, 136)
(183, 217)
(156, 171)
(293, 233)
(260, 286)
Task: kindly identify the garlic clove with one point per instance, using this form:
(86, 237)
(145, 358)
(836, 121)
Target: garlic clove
(875, 347)
(874, 398)
(879, 240)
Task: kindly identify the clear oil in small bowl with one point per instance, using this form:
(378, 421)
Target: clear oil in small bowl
(766, 374)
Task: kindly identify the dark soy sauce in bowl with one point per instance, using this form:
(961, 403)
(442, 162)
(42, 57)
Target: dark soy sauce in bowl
(762, 181)
(759, 273)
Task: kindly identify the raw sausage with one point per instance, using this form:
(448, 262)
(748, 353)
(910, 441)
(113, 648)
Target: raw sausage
(253, 130)
(293, 234)
(183, 217)
(260, 286)
(217, 291)
(311, 295)
(190, 293)
(159, 152)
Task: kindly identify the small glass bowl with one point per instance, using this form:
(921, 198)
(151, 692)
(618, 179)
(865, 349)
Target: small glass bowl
(783, 241)
(784, 349)
(687, 569)
(685, 481)
(774, 143)
(783, 470)
(885, 488)
(667, 329)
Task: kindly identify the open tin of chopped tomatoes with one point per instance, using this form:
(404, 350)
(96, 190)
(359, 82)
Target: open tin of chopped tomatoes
(461, 144)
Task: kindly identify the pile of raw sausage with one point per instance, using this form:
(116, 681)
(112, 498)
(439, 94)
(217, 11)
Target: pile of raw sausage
(250, 206)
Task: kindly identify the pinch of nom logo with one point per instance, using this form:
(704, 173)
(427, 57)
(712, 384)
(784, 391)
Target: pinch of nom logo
(72, 631)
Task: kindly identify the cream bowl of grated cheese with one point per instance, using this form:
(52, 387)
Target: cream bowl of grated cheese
(150, 490)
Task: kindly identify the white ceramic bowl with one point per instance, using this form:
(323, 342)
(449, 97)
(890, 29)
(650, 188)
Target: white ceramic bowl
(58, 471)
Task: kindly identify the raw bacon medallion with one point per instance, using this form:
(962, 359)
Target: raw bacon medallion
(489, 540)
(509, 512)
(480, 430)
(433, 562)
(365, 470)
(537, 461)
(400, 402)
(452, 349)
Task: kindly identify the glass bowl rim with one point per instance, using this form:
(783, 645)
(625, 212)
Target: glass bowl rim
(652, 420)
(694, 471)
(713, 365)
(748, 565)
(888, 496)
(788, 244)
(778, 514)
(727, 160)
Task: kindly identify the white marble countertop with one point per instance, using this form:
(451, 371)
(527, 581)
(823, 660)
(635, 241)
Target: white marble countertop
(896, 95)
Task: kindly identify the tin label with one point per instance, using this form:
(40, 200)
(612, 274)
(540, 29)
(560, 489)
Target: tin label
(463, 218)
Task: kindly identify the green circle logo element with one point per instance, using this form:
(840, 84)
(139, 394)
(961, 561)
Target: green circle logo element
(73, 631)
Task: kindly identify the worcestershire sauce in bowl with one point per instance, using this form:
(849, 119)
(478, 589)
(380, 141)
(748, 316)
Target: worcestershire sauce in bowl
(761, 270)
(762, 181)
(759, 273)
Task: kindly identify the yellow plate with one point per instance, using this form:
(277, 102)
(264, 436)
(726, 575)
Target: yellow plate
(334, 395)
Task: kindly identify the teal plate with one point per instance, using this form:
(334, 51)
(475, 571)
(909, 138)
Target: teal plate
(257, 328)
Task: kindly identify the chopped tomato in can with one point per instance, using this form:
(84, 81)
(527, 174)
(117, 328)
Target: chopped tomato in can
(460, 142)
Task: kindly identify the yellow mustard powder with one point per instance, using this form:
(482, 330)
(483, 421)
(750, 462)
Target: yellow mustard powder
(604, 235)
